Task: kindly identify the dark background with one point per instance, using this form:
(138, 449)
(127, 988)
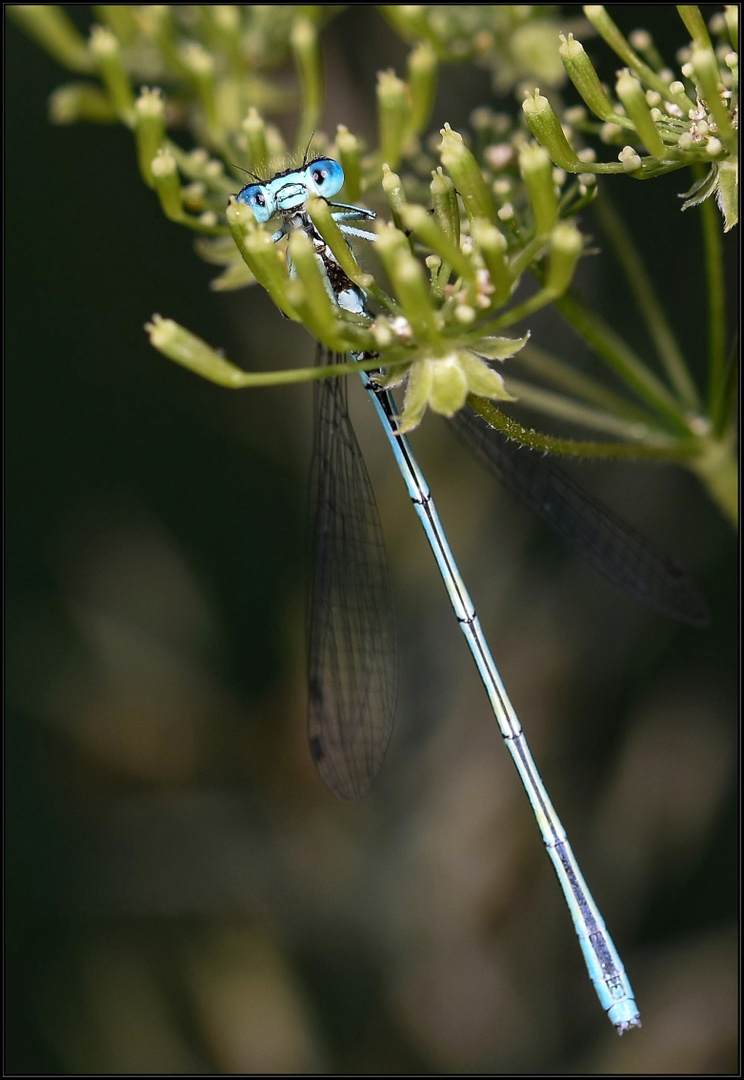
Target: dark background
(182, 893)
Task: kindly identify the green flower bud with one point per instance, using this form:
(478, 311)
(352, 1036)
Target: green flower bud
(73, 102)
(493, 247)
(107, 52)
(412, 291)
(306, 52)
(466, 174)
(566, 245)
(428, 231)
(409, 283)
(444, 202)
(537, 172)
(422, 83)
(322, 218)
(392, 243)
(393, 110)
(164, 172)
(546, 127)
(200, 66)
(581, 72)
(630, 92)
(347, 147)
(392, 185)
(149, 129)
(260, 253)
(313, 301)
(255, 132)
(179, 344)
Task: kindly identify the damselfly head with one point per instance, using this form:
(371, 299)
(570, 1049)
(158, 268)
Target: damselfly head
(288, 191)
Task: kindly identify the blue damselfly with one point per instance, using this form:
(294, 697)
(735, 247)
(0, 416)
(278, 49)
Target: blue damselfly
(351, 676)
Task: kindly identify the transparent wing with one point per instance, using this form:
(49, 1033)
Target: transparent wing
(351, 652)
(612, 546)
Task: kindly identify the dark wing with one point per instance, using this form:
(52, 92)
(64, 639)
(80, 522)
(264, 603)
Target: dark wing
(351, 651)
(612, 546)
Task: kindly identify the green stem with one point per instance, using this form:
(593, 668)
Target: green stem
(526, 257)
(306, 53)
(680, 451)
(191, 222)
(729, 407)
(53, 30)
(716, 467)
(216, 182)
(542, 298)
(231, 377)
(193, 353)
(642, 288)
(711, 225)
(620, 358)
(565, 377)
(607, 29)
(259, 379)
(692, 18)
(567, 409)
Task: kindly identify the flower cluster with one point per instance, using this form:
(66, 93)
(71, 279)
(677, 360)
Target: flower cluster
(516, 42)
(462, 217)
(677, 121)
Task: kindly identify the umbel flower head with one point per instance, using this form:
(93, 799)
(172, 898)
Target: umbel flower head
(471, 214)
(662, 122)
(443, 382)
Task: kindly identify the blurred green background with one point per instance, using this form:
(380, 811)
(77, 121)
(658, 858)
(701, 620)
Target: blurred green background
(183, 895)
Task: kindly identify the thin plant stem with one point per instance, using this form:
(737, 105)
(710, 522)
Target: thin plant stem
(542, 298)
(642, 288)
(565, 377)
(568, 409)
(711, 226)
(620, 358)
(680, 451)
(717, 468)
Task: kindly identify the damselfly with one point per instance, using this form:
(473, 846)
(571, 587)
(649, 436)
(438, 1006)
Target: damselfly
(351, 674)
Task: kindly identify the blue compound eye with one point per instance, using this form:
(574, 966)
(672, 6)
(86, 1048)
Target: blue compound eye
(254, 195)
(326, 176)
